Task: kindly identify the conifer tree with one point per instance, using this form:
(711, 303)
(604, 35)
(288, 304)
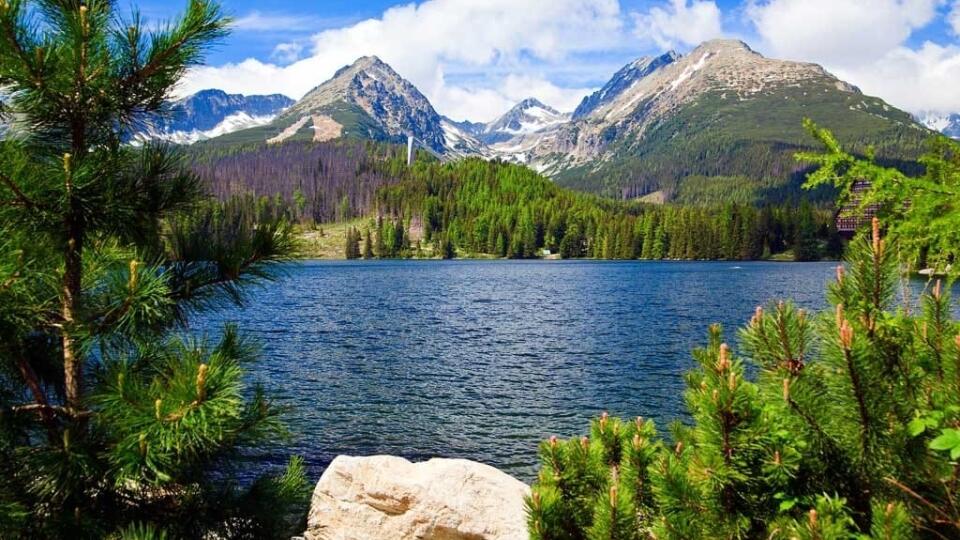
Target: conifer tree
(572, 245)
(447, 249)
(381, 244)
(805, 245)
(849, 428)
(110, 418)
(367, 246)
(352, 244)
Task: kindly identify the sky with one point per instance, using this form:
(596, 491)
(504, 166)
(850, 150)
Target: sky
(474, 59)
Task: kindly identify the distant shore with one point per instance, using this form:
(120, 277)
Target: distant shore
(328, 242)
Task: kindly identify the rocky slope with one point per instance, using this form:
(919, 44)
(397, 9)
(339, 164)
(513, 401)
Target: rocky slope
(212, 113)
(622, 81)
(369, 99)
(721, 110)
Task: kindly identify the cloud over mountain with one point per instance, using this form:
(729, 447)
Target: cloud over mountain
(872, 45)
(440, 43)
(474, 60)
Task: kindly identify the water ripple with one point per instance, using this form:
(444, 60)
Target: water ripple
(483, 359)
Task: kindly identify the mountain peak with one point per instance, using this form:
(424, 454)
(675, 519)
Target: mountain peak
(622, 81)
(366, 62)
(528, 116)
(208, 93)
(946, 123)
(390, 107)
(531, 103)
(369, 59)
(644, 61)
(363, 64)
(724, 45)
(210, 113)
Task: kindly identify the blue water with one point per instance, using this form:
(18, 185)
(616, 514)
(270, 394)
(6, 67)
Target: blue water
(484, 359)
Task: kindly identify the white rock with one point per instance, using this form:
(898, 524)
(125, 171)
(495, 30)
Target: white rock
(390, 498)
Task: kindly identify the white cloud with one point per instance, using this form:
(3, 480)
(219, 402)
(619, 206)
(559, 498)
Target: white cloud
(420, 40)
(838, 32)
(487, 103)
(257, 21)
(474, 59)
(287, 52)
(953, 18)
(868, 46)
(917, 80)
(681, 22)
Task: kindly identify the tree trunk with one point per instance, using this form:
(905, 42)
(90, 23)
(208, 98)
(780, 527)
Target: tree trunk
(73, 271)
(72, 289)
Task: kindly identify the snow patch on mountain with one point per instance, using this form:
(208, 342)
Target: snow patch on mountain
(234, 122)
(525, 118)
(948, 124)
(459, 142)
(208, 114)
(689, 71)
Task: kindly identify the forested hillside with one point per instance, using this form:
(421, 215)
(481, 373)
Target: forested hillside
(753, 141)
(482, 207)
(511, 211)
(321, 182)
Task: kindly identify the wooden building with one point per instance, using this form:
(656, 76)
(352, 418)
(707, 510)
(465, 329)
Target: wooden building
(850, 217)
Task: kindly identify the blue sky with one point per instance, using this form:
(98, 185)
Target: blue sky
(474, 59)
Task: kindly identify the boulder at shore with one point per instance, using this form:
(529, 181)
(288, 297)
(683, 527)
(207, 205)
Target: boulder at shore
(390, 498)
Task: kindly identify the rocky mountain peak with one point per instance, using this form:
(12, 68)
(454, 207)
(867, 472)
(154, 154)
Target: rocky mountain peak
(622, 80)
(528, 116)
(364, 63)
(649, 91)
(395, 105)
(531, 103)
(727, 67)
(725, 45)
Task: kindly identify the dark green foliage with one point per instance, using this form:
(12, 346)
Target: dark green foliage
(392, 240)
(352, 247)
(846, 425)
(805, 244)
(112, 422)
(447, 249)
(367, 246)
(596, 487)
(510, 211)
(920, 210)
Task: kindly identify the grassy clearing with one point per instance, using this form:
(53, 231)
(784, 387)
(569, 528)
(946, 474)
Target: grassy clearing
(327, 240)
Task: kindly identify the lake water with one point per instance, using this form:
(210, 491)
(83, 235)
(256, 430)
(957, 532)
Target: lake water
(484, 359)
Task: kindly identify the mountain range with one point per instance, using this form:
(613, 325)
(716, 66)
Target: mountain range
(721, 111)
(212, 113)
